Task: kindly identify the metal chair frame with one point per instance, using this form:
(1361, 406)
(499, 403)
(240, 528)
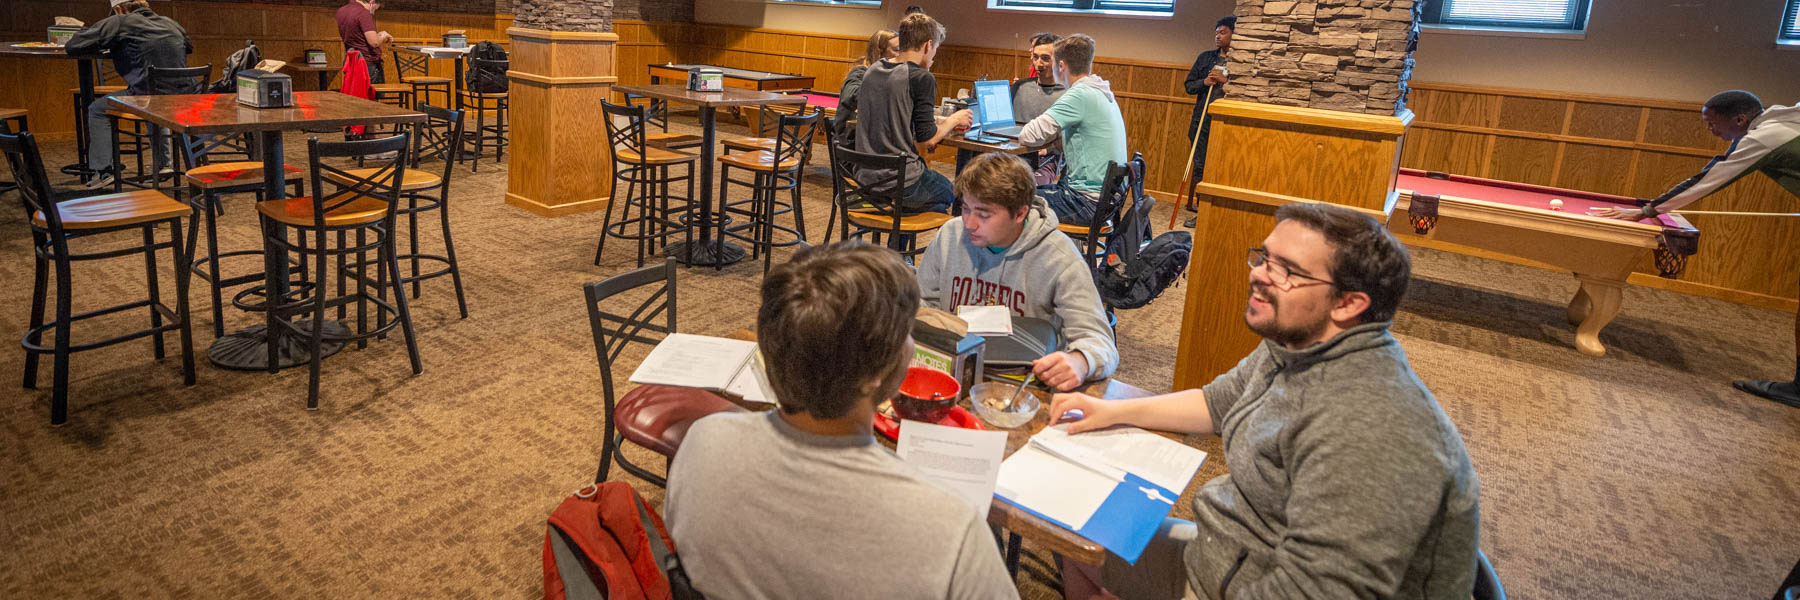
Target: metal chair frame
(439, 134)
(614, 331)
(793, 141)
(657, 217)
(882, 196)
(481, 104)
(413, 64)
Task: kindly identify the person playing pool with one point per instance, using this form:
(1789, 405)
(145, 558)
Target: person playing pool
(1765, 140)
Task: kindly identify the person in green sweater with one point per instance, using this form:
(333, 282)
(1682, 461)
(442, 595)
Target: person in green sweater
(1087, 121)
(1347, 480)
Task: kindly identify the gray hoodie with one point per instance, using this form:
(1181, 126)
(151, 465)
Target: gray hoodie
(1040, 276)
(1347, 480)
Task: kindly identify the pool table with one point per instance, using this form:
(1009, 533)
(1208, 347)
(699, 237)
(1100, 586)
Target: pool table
(737, 78)
(1517, 219)
(815, 100)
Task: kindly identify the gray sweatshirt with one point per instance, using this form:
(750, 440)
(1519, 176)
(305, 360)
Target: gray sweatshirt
(1040, 276)
(1347, 480)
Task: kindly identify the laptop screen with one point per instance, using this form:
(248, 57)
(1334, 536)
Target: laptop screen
(995, 101)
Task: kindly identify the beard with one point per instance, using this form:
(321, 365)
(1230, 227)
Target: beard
(1289, 336)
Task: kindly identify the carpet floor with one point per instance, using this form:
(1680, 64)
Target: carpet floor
(1641, 474)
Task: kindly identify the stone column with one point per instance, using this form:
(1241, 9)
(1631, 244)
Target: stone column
(1350, 55)
(562, 68)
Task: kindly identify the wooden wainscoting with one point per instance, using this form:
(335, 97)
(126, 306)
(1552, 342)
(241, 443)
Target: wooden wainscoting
(1626, 146)
(217, 29)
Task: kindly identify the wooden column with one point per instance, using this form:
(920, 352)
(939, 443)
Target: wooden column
(1259, 158)
(558, 164)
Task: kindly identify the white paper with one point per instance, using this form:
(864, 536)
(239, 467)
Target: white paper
(966, 461)
(696, 361)
(1159, 460)
(987, 320)
(1053, 487)
(752, 382)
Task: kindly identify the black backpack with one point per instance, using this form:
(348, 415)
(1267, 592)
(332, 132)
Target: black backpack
(243, 60)
(486, 78)
(1135, 272)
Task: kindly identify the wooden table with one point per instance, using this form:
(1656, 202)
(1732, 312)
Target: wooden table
(762, 81)
(708, 250)
(84, 73)
(325, 72)
(213, 114)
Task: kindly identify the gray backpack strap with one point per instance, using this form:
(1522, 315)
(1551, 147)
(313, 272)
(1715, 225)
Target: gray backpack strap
(577, 585)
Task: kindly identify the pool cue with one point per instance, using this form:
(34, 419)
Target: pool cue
(1187, 181)
(1733, 213)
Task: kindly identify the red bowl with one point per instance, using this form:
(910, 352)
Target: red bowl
(926, 394)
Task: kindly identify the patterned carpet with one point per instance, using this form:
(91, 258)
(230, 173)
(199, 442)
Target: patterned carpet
(1641, 474)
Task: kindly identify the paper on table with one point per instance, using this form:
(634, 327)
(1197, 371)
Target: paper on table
(694, 361)
(752, 382)
(987, 320)
(1159, 460)
(966, 461)
(1052, 487)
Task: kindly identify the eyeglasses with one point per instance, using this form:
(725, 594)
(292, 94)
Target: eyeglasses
(1279, 273)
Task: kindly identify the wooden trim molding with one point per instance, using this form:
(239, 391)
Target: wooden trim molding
(562, 81)
(1299, 115)
(561, 36)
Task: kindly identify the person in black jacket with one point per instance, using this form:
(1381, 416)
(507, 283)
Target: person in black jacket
(137, 39)
(1207, 79)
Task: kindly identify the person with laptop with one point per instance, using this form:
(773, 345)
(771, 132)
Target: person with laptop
(1007, 251)
(802, 501)
(1087, 121)
(894, 114)
(1030, 96)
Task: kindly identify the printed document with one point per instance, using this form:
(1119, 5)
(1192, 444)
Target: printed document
(966, 461)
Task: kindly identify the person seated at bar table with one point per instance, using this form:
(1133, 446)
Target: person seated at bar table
(883, 44)
(1347, 480)
(801, 501)
(1007, 251)
(1031, 95)
(1086, 119)
(137, 39)
(895, 115)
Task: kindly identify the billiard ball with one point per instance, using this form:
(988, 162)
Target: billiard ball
(1555, 204)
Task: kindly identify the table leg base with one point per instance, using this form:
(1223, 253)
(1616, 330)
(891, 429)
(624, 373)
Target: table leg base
(706, 253)
(247, 349)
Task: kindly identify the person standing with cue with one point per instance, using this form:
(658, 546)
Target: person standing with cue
(1206, 81)
(1761, 140)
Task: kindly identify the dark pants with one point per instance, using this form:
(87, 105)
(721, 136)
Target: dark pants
(1200, 149)
(931, 193)
(964, 156)
(1070, 206)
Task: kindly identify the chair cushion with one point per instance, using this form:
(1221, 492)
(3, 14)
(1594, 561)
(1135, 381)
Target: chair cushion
(298, 212)
(909, 224)
(415, 179)
(751, 143)
(658, 416)
(759, 161)
(230, 174)
(655, 156)
(113, 210)
(424, 80)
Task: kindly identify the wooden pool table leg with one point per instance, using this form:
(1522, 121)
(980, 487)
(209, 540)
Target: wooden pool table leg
(1579, 306)
(1599, 302)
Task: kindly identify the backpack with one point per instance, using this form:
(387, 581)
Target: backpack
(598, 545)
(244, 59)
(483, 79)
(1153, 270)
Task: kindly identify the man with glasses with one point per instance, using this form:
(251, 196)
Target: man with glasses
(1346, 478)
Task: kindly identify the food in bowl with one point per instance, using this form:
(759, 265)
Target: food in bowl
(990, 402)
(926, 394)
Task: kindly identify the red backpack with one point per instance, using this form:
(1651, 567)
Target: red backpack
(598, 545)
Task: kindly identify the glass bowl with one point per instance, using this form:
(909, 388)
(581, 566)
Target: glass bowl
(988, 397)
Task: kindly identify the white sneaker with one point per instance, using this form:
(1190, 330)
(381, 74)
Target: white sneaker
(102, 181)
(385, 155)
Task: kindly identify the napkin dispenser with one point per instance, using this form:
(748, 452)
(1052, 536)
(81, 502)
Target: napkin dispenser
(263, 89)
(316, 58)
(60, 34)
(456, 38)
(706, 80)
(940, 344)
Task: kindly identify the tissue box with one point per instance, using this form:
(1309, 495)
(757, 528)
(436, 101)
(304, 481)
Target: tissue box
(60, 34)
(317, 58)
(944, 350)
(706, 80)
(263, 89)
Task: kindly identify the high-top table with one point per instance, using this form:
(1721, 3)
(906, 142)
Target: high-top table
(706, 250)
(455, 55)
(84, 70)
(326, 72)
(214, 114)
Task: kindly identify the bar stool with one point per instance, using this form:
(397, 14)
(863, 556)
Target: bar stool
(414, 69)
(873, 208)
(12, 120)
(656, 110)
(636, 163)
(481, 105)
(53, 225)
(762, 133)
(102, 74)
(396, 94)
(425, 191)
(205, 181)
(774, 171)
(365, 206)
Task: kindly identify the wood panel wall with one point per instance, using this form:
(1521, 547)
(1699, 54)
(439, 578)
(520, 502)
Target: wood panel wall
(217, 29)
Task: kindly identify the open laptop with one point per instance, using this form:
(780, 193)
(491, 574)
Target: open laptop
(995, 109)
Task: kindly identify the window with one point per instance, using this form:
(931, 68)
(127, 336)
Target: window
(832, 2)
(1155, 8)
(1790, 23)
(1563, 15)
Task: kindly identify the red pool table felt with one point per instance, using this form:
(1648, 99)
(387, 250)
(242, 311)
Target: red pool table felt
(1520, 194)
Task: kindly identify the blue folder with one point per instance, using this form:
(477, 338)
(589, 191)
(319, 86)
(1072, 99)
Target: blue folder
(1128, 518)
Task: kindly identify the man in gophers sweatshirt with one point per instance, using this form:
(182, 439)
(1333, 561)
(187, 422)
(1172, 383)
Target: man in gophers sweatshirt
(1006, 250)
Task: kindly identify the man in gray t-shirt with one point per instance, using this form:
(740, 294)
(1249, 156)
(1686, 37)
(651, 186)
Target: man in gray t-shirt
(802, 502)
(1347, 479)
(1031, 96)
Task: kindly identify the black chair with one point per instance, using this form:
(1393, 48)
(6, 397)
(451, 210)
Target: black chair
(653, 416)
(414, 70)
(205, 182)
(646, 171)
(426, 191)
(134, 136)
(12, 120)
(773, 171)
(364, 205)
(656, 110)
(483, 105)
(1487, 583)
(873, 208)
(53, 225)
